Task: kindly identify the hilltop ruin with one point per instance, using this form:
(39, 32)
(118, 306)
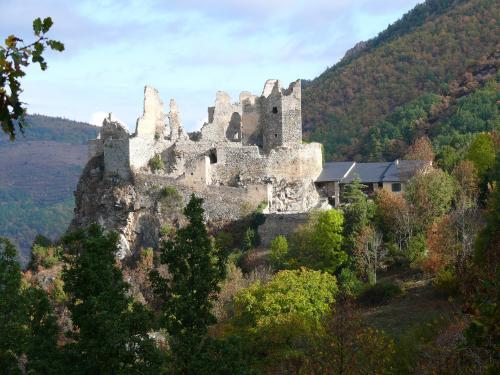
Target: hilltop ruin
(249, 154)
(254, 145)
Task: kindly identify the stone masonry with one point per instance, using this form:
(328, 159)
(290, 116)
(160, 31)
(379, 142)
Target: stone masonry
(254, 145)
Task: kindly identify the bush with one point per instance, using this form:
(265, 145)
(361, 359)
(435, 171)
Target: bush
(379, 294)
(45, 257)
(417, 248)
(279, 249)
(235, 257)
(156, 163)
(249, 240)
(224, 240)
(170, 196)
(147, 257)
(167, 230)
(168, 192)
(57, 293)
(349, 284)
(446, 283)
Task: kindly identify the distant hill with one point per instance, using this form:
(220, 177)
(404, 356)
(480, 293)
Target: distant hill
(39, 173)
(430, 51)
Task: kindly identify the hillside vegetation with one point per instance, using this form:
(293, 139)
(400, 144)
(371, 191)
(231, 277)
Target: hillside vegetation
(37, 182)
(430, 51)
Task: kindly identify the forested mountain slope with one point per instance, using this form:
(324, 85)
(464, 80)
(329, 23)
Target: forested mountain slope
(38, 177)
(429, 51)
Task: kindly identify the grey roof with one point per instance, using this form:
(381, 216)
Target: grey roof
(344, 172)
(334, 171)
(403, 170)
(367, 172)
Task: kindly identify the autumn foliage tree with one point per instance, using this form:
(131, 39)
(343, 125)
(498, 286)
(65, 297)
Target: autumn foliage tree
(347, 345)
(369, 252)
(421, 149)
(395, 218)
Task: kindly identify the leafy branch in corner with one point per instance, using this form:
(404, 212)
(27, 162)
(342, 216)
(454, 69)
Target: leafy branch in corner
(14, 57)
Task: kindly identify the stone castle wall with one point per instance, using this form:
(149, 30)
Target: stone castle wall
(255, 142)
(280, 225)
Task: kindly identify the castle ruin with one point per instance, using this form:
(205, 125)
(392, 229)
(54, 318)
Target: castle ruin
(249, 152)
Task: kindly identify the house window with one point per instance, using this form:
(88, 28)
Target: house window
(275, 109)
(275, 135)
(396, 187)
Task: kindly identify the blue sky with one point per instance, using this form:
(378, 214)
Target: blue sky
(187, 49)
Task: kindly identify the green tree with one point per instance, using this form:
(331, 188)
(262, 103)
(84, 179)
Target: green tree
(358, 211)
(14, 57)
(482, 153)
(13, 312)
(318, 243)
(276, 318)
(279, 250)
(44, 356)
(430, 194)
(483, 332)
(196, 268)
(249, 239)
(111, 331)
(27, 323)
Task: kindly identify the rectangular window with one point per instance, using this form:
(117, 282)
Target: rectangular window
(396, 187)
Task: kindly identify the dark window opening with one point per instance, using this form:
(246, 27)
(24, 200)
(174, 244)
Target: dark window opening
(380, 185)
(213, 156)
(396, 186)
(275, 135)
(275, 109)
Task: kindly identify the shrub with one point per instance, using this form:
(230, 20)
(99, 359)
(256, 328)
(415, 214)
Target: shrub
(170, 196)
(349, 284)
(147, 257)
(156, 163)
(417, 248)
(169, 192)
(279, 249)
(380, 293)
(224, 240)
(249, 240)
(235, 257)
(446, 283)
(45, 257)
(57, 293)
(166, 230)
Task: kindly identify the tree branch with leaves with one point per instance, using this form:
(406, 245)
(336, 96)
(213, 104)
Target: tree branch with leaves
(15, 56)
